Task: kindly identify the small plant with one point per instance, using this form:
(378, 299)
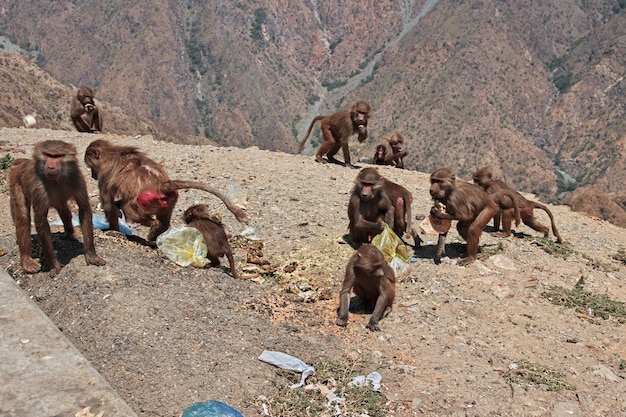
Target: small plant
(5, 162)
(331, 381)
(620, 256)
(489, 250)
(256, 32)
(598, 264)
(586, 302)
(551, 247)
(526, 373)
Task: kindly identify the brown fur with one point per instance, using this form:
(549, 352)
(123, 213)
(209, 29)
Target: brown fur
(50, 179)
(391, 151)
(401, 199)
(146, 194)
(505, 200)
(198, 216)
(369, 207)
(467, 203)
(337, 129)
(85, 115)
(372, 280)
(484, 178)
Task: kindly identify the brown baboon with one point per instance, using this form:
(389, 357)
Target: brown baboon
(391, 151)
(484, 178)
(372, 279)
(86, 116)
(465, 202)
(50, 179)
(337, 129)
(140, 187)
(369, 207)
(215, 238)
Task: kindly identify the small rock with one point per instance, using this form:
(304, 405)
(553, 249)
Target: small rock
(606, 373)
(503, 262)
(585, 400)
(564, 409)
(502, 291)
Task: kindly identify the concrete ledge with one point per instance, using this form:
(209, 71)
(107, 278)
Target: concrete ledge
(41, 371)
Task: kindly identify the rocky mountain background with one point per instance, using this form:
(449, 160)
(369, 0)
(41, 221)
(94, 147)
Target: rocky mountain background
(535, 89)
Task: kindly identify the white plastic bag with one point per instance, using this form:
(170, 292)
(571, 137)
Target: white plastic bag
(284, 361)
(184, 245)
(374, 378)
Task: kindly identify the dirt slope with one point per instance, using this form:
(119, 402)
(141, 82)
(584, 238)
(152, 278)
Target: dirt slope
(166, 337)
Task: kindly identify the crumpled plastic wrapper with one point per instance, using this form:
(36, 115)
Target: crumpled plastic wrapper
(99, 222)
(291, 363)
(211, 408)
(184, 246)
(394, 250)
(373, 378)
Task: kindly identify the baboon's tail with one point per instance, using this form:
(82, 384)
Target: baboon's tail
(308, 132)
(238, 212)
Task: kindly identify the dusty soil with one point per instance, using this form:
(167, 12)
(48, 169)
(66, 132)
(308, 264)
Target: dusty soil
(165, 336)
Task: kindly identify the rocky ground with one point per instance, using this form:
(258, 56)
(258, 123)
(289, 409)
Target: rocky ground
(166, 337)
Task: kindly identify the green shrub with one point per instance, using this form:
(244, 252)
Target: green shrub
(5, 162)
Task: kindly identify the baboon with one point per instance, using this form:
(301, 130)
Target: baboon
(337, 129)
(84, 112)
(401, 199)
(484, 178)
(215, 238)
(391, 151)
(369, 207)
(143, 190)
(50, 179)
(467, 203)
(379, 154)
(373, 202)
(372, 280)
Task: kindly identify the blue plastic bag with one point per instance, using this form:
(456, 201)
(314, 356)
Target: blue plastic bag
(211, 408)
(99, 222)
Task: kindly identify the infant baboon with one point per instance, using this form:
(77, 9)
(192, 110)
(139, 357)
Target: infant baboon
(210, 226)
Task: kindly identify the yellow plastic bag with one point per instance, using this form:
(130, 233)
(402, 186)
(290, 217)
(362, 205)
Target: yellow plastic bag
(184, 246)
(394, 250)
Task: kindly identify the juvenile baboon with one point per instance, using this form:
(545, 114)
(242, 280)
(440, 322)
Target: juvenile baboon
(484, 178)
(215, 238)
(372, 279)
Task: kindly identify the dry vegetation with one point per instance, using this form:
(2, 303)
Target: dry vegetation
(487, 339)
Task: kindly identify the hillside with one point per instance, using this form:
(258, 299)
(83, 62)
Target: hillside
(166, 337)
(535, 89)
(28, 90)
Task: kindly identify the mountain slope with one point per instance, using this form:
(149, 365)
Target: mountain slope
(455, 343)
(533, 88)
